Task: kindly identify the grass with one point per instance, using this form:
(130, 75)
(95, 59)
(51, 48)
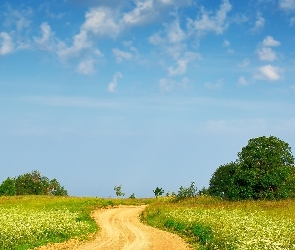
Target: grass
(209, 223)
(30, 221)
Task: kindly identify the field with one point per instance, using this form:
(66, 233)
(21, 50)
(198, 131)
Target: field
(30, 221)
(208, 223)
(204, 222)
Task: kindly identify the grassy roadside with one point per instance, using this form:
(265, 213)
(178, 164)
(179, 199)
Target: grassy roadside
(208, 223)
(30, 221)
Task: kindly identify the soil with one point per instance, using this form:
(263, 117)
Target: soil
(121, 229)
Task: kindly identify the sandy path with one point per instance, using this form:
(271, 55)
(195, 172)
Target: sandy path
(121, 229)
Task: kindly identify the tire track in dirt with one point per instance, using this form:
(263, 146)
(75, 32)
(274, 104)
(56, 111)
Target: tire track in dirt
(121, 229)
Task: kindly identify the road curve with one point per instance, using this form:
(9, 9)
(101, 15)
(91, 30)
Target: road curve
(121, 229)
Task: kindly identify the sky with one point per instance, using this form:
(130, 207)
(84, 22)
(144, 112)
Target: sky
(141, 93)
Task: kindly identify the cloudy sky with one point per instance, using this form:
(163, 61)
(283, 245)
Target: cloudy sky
(143, 93)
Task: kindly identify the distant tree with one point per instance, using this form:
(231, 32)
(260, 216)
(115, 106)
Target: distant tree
(118, 190)
(31, 184)
(158, 192)
(132, 196)
(188, 192)
(7, 187)
(264, 170)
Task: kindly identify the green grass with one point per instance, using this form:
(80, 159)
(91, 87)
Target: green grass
(30, 221)
(209, 223)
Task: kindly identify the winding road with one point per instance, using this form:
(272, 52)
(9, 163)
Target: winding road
(121, 229)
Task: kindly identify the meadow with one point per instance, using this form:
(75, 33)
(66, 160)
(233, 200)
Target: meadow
(209, 223)
(30, 221)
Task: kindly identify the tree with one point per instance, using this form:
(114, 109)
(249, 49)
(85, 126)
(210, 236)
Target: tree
(32, 184)
(264, 170)
(7, 187)
(158, 192)
(118, 190)
(188, 192)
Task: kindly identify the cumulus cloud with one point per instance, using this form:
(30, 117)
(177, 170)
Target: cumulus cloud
(143, 12)
(287, 5)
(266, 54)
(182, 63)
(269, 41)
(212, 23)
(86, 67)
(259, 23)
(6, 43)
(46, 40)
(113, 84)
(167, 84)
(120, 55)
(268, 72)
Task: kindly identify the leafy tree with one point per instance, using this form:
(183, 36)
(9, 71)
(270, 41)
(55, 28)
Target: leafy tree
(188, 192)
(158, 192)
(7, 187)
(264, 170)
(132, 196)
(118, 190)
(31, 184)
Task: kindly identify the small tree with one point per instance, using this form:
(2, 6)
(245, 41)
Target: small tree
(118, 190)
(158, 192)
(132, 196)
(7, 187)
(188, 192)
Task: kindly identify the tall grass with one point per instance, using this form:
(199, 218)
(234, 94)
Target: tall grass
(209, 223)
(31, 221)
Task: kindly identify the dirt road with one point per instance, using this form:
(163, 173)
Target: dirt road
(121, 229)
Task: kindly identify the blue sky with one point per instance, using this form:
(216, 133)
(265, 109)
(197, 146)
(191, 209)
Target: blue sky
(141, 93)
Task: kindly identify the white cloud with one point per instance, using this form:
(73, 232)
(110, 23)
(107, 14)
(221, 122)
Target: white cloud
(268, 72)
(266, 54)
(226, 43)
(174, 32)
(120, 55)
(259, 23)
(212, 23)
(270, 42)
(46, 41)
(293, 88)
(19, 18)
(86, 67)
(182, 63)
(101, 21)
(244, 64)
(242, 81)
(287, 5)
(142, 13)
(113, 85)
(6, 43)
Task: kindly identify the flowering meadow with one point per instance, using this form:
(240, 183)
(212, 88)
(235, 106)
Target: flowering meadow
(210, 224)
(30, 221)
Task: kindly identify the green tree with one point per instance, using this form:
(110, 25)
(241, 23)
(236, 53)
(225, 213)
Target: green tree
(118, 190)
(31, 184)
(7, 187)
(188, 192)
(264, 170)
(158, 192)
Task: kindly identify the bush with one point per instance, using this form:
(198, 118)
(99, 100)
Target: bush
(264, 170)
(188, 192)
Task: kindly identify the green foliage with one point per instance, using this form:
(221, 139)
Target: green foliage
(7, 187)
(264, 170)
(132, 196)
(31, 184)
(158, 192)
(188, 192)
(118, 190)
